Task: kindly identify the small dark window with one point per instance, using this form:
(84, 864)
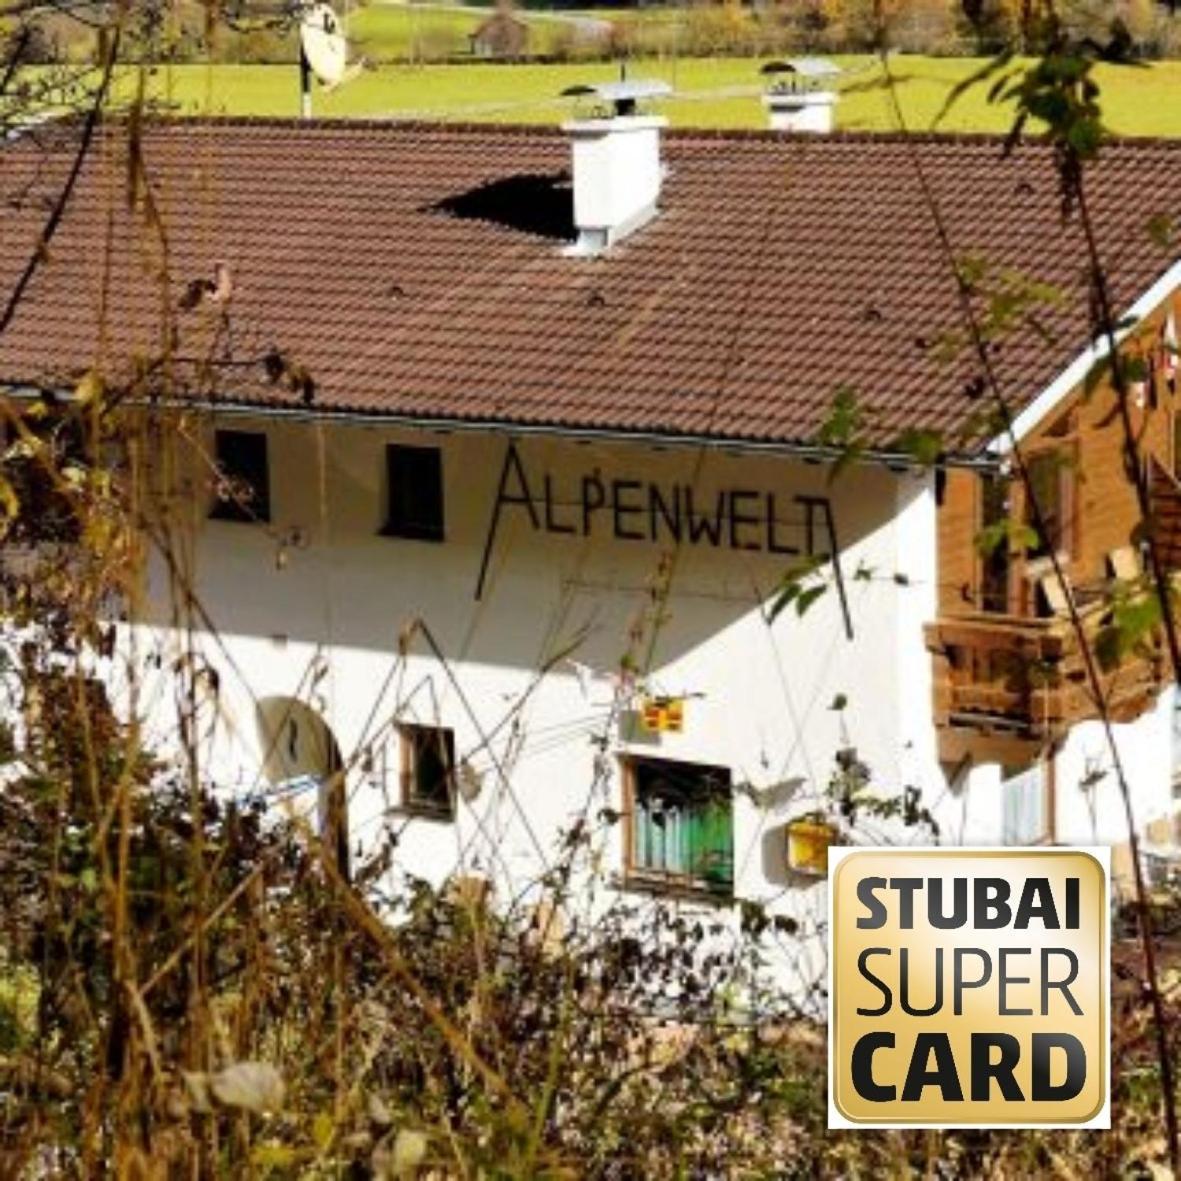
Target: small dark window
(243, 491)
(682, 831)
(428, 769)
(415, 482)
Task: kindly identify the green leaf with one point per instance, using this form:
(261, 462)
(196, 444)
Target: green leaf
(1015, 534)
(792, 587)
(923, 446)
(842, 431)
(806, 598)
(986, 71)
(991, 538)
(782, 601)
(844, 417)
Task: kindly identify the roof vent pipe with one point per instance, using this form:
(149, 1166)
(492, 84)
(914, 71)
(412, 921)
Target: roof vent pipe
(616, 163)
(800, 97)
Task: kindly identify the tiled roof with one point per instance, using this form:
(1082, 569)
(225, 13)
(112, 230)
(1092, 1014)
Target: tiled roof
(417, 270)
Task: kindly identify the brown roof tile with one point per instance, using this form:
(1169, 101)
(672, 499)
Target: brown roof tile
(374, 255)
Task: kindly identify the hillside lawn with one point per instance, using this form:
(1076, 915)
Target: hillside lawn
(711, 92)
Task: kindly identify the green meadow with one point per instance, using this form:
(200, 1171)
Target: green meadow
(719, 92)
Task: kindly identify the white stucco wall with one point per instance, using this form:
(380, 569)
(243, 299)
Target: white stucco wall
(761, 697)
(314, 607)
(1088, 804)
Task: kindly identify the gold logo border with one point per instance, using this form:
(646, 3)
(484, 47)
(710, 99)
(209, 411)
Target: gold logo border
(844, 854)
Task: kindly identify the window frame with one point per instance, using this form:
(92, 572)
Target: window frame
(410, 734)
(400, 524)
(1064, 545)
(650, 878)
(231, 509)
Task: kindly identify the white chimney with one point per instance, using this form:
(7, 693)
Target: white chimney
(795, 102)
(616, 165)
(811, 110)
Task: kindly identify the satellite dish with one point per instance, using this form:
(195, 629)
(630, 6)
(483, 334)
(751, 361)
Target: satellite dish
(323, 42)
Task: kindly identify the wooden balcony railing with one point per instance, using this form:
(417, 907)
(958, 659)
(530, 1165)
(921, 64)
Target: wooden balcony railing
(1025, 679)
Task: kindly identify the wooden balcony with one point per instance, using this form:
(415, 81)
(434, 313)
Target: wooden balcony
(1006, 686)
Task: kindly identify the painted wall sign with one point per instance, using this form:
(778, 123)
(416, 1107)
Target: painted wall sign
(590, 504)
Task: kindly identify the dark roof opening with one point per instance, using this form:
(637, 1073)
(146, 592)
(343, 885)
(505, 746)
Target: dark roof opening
(541, 204)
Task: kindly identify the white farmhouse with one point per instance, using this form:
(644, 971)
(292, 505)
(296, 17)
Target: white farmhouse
(485, 453)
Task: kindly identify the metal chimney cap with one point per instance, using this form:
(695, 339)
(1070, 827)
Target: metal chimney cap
(624, 95)
(805, 67)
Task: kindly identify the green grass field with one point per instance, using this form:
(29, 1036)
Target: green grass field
(390, 31)
(711, 92)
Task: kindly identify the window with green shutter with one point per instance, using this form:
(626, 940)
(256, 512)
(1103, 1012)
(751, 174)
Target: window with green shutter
(682, 829)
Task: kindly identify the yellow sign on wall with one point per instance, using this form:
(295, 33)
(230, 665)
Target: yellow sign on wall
(969, 988)
(660, 715)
